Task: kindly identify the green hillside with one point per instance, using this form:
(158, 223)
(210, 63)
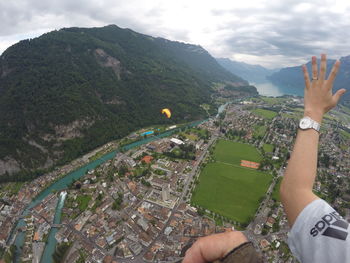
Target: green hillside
(71, 90)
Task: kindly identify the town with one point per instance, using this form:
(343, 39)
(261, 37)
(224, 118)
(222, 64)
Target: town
(139, 206)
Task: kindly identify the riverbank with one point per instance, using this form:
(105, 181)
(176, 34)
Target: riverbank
(66, 180)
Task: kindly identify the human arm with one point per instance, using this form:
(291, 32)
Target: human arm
(296, 187)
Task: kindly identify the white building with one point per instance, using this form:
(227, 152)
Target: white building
(176, 141)
(166, 192)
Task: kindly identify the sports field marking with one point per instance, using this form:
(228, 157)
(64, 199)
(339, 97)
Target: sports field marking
(238, 166)
(250, 164)
(223, 184)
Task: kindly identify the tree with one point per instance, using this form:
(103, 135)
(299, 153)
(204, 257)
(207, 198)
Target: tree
(123, 169)
(200, 211)
(117, 202)
(146, 183)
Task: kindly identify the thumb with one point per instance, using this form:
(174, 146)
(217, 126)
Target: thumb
(338, 95)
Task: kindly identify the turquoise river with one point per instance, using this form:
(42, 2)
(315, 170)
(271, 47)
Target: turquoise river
(64, 182)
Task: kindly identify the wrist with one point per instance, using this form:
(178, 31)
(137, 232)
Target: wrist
(316, 116)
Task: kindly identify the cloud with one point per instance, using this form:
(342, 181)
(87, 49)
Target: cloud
(273, 33)
(286, 32)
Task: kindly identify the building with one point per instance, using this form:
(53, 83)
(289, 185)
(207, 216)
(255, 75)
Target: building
(270, 221)
(264, 244)
(176, 141)
(166, 192)
(147, 159)
(142, 223)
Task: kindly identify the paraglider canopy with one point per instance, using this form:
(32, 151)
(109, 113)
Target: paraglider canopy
(166, 112)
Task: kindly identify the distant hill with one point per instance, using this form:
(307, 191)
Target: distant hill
(252, 73)
(292, 77)
(71, 90)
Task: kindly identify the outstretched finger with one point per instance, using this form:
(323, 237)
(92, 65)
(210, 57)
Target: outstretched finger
(337, 95)
(306, 77)
(323, 67)
(334, 72)
(314, 68)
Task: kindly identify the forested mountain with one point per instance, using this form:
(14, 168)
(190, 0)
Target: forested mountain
(71, 90)
(252, 73)
(292, 77)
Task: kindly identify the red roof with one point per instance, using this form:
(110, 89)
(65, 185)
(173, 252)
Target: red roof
(147, 159)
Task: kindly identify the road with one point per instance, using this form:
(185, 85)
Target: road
(194, 170)
(261, 216)
(139, 258)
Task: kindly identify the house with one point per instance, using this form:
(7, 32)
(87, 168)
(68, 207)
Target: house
(264, 244)
(147, 159)
(176, 141)
(270, 221)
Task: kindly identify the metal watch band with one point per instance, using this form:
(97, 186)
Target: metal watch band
(316, 126)
(308, 123)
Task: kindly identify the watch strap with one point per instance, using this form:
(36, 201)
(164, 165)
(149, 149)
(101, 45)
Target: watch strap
(316, 126)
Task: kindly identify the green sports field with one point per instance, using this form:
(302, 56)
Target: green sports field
(229, 189)
(268, 114)
(233, 152)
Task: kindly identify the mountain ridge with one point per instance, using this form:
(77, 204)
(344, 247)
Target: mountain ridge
(292, 77)
(72, 90)
(252, 73)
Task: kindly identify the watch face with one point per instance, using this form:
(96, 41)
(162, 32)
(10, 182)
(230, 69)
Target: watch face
(305, 123)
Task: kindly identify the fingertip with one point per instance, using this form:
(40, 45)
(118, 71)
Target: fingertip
(340, 93)
(323, 56)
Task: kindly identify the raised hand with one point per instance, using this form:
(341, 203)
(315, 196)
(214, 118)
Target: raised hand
(318, 96)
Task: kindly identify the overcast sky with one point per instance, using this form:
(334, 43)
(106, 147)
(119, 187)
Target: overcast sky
(273, 33)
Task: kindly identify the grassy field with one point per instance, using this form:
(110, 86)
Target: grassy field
(83, 201)
(190, 136)
(276, 191)
(298, 113)
(295, 113)
(268, 114)
(345, 134)
(297, 116)
(274, 101)
(268, 148)
(229, 189)
(259, 131)
(233, 152)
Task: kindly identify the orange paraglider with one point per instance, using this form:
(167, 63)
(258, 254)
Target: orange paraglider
(167, 112)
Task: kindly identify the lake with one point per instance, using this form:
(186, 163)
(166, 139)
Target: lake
(269, 89)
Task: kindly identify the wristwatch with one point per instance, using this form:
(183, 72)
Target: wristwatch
(308, 123)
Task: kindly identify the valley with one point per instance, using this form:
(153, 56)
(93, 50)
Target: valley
(148, 202)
